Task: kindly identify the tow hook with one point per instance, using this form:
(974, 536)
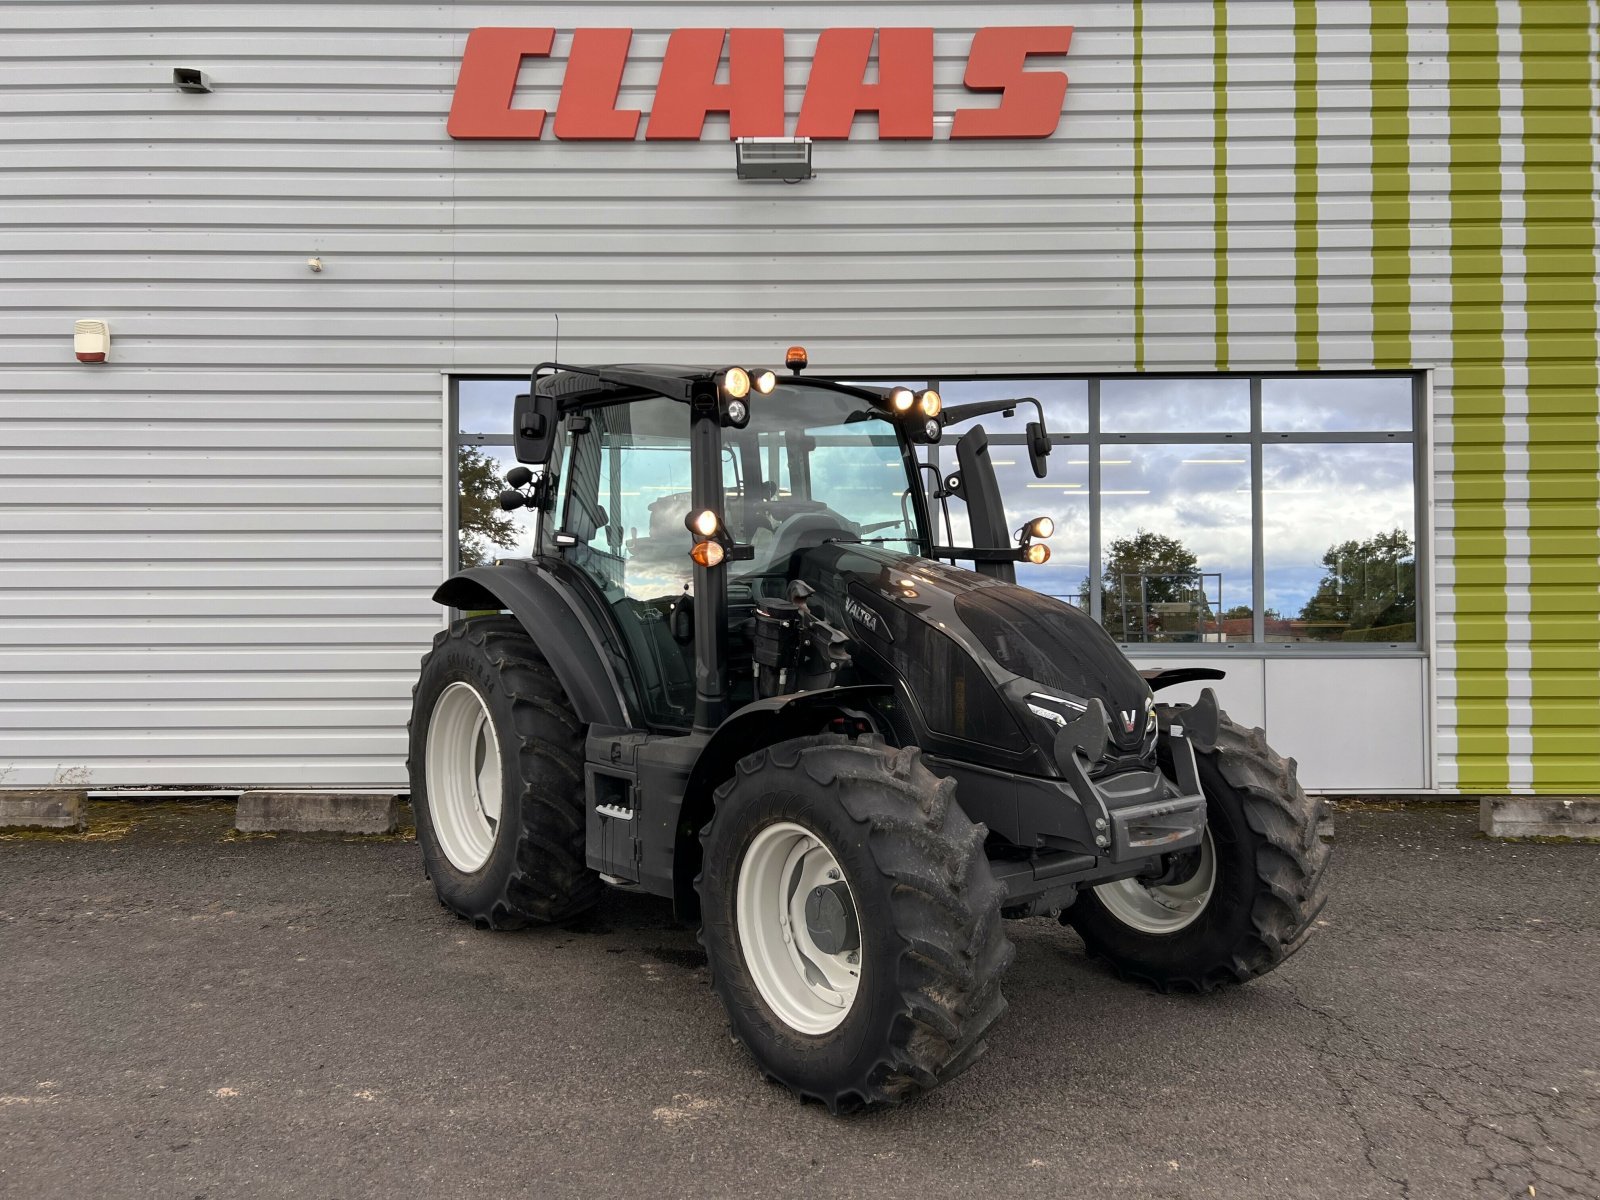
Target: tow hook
(1172, 869)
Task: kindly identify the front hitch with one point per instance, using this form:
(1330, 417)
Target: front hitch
(1134, 814)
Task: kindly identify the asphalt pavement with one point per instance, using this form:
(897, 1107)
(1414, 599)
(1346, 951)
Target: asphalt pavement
(188, 1013)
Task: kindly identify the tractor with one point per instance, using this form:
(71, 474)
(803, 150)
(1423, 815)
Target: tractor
(742, 671)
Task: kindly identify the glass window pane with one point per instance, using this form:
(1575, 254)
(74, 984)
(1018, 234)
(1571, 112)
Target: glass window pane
(626, 495)
(1065, 401)
(484, 405)
(1340, 531)
(1146, 404)
(1334, 403)
(1063, 496)
(1175, 525)
(483, 532)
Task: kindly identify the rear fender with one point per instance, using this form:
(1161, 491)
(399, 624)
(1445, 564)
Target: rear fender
(764, 723)
(554, 618)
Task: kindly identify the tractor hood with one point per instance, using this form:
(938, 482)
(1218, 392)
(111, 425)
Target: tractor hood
(992, 670)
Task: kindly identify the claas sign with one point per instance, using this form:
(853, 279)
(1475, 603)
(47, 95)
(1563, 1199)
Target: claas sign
(1027, 100)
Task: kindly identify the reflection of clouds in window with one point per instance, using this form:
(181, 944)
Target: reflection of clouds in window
(1065, 401)
(1327, 404)
(1203, 505)
(1152, 405)
(484, 405)
(1317, 496)
(1063, 496)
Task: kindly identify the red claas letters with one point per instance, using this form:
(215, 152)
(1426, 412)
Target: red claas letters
(1029, 101)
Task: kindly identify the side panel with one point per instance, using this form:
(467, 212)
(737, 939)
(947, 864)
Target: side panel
(1353, 725)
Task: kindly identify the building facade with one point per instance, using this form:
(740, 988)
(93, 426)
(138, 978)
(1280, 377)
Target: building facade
(1306, 287)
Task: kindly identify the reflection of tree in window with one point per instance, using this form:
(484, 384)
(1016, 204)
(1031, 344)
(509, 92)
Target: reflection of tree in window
(1368, 594)
(1154, 591)
(480, 521)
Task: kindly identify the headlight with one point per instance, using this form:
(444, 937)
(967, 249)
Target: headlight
(901, 400)
(1058, 710)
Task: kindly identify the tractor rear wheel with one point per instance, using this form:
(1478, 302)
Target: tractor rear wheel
(496, 769)
(1242, 902)
(852, 925)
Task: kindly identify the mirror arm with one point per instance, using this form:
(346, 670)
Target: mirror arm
(956, 413)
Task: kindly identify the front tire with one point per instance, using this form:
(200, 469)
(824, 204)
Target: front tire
(496, 766)
(1251, 894)
(851, 922)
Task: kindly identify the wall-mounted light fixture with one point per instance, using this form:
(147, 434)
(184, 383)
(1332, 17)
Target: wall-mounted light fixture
(91, 341)
(190, 79)
(786, 159)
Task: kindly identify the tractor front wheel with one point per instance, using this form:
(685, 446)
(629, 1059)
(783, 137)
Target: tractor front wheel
(851, 922)
(1239, 904)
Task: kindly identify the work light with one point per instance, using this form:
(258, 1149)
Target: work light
(703, 523)
(736, 383)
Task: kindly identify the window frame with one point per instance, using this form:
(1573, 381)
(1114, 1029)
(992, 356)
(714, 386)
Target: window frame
(1094, 442)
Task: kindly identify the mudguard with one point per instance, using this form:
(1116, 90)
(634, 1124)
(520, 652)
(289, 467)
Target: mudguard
(554, 618)
(763, 723)
(1164, 677)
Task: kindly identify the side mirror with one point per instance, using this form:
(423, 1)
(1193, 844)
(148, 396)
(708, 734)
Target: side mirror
(533, 428)
(1038, 448)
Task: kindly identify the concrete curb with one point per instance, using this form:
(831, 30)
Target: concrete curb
(317, 812)
(1575, 817)
(47, 808)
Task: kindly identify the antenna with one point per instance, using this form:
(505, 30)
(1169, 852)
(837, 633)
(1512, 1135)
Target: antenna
(557, 354)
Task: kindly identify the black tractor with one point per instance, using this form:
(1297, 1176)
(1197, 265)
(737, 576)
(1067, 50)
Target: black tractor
(740, 671)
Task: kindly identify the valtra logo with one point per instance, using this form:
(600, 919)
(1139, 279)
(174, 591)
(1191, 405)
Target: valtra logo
(1029, 101)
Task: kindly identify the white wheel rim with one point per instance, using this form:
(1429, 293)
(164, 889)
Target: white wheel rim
(463, 776)
(811, 991)
(1164, 908)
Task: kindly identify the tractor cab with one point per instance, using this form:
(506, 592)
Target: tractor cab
(811, 465)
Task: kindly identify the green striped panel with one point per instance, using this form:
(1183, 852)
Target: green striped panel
(1138, 185)
(1305, 184)
(1391, 187)
(1478, 396)
(1563, 386)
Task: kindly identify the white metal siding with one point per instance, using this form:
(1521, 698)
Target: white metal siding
(216, 552)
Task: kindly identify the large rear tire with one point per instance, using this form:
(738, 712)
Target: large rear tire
(851, 922)
(1239, 906)
(496, 766)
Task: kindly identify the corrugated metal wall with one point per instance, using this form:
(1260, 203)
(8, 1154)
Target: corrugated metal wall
(217, 549)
